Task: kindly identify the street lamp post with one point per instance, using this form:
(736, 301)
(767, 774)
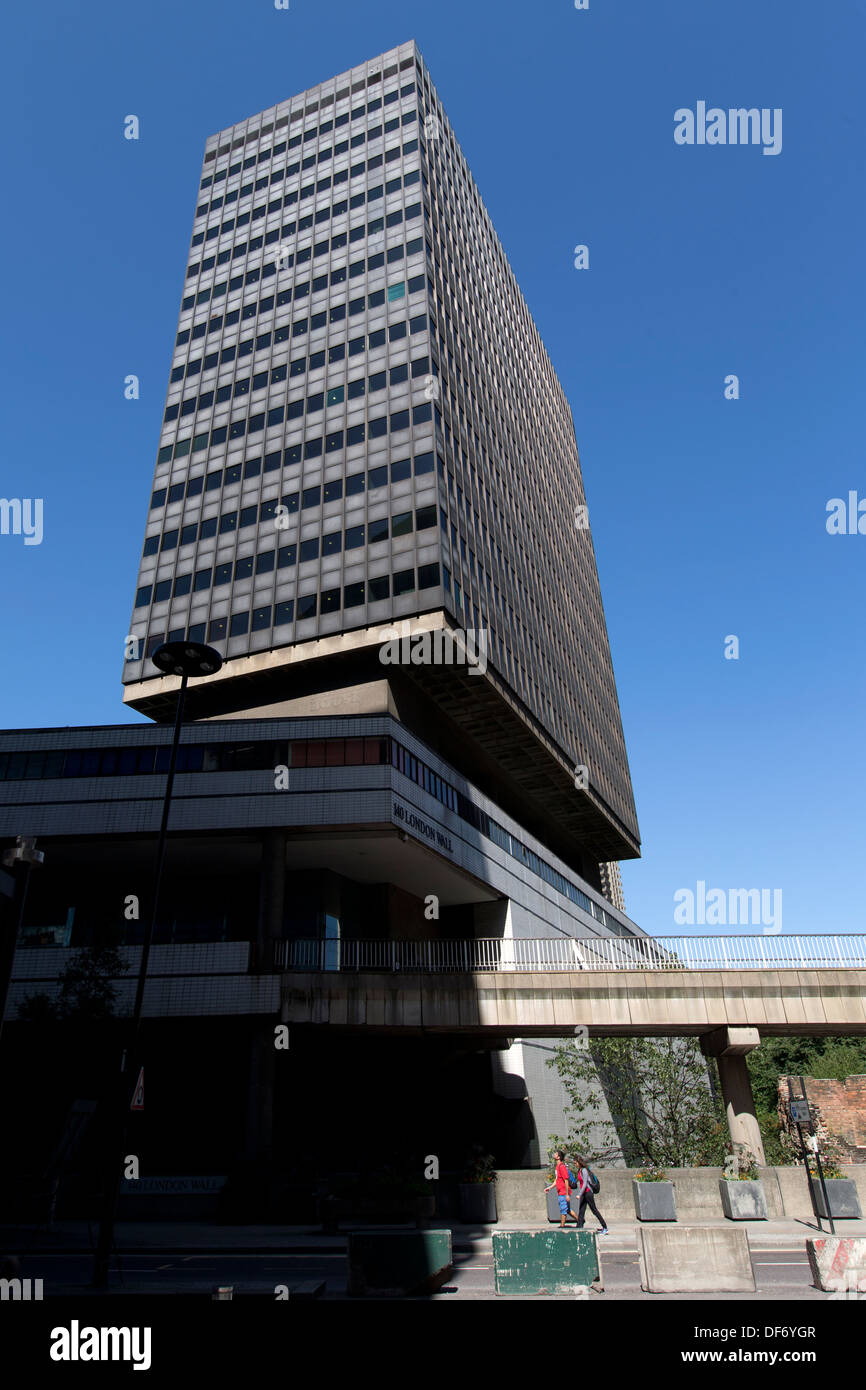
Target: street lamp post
(184, 659)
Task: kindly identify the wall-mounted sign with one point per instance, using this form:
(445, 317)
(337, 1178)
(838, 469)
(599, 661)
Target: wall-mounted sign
(422, 828)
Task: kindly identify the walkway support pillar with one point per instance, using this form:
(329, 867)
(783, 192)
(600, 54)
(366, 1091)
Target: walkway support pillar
(729, 1046)
(260, 1087)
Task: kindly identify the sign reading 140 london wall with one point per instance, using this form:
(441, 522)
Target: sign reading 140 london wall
(412, 821)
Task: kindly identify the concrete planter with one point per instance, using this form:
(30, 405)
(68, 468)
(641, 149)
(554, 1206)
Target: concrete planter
(425, 1209)
(553, 1212)
(654, 1201)
(743, 1201)
(842, 1193)
(478, 1202)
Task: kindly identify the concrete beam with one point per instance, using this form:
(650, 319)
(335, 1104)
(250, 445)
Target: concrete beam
(730, 1042)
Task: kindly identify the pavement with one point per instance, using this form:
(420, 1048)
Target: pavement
(144, 1237)
(193, 1258)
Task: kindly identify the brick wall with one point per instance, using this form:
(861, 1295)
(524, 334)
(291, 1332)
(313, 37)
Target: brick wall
(842, 1106)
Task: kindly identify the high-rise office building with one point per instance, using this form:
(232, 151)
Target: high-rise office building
(411, 765)
(611, 885)
(363, 428)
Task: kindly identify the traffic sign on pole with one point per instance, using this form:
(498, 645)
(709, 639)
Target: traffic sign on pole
(138, 1098)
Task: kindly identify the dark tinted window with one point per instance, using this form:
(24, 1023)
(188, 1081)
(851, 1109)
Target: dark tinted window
(379, 588)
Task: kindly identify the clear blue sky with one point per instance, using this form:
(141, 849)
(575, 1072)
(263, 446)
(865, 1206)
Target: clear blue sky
(708, 515)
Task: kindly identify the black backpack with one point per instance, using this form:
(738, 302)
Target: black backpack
(594, 1183)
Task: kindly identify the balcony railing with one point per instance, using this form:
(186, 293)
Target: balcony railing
(840, 952)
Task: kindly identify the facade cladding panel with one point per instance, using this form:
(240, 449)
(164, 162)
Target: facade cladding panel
(362, 423)
(225, 782)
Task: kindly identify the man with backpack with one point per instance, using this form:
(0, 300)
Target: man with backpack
(563, 1183)
(587, 1186)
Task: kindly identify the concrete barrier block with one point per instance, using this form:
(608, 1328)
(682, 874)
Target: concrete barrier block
(554, 1262)
(695, 1259)
(838, 1263)
(392, 1264)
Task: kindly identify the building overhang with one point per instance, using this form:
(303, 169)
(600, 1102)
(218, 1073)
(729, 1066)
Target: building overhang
(364, 854)
(446, 704)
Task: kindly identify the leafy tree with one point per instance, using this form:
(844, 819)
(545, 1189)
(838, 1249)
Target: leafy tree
(662, 1095)
(837, 1058)
(87, 992)
(776, 1152)
(833, 1058)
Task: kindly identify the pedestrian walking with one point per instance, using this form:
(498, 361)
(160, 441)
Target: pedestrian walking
(587, 1186)
(562, 1183)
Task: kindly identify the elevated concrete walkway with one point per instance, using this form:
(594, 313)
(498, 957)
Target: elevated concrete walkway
(545, 1004)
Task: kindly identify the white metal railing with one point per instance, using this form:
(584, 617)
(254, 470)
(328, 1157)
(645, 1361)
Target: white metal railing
(839, 952)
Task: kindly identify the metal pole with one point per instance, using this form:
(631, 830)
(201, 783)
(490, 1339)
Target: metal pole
(820, 1165)
(160, 860)
(128, 1074)
(804, 1154)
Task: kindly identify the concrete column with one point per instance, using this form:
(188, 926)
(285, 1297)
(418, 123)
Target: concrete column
(729, 1046)
(258, 1142)
(739, 1105)
(272, 890)
(493, 919)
